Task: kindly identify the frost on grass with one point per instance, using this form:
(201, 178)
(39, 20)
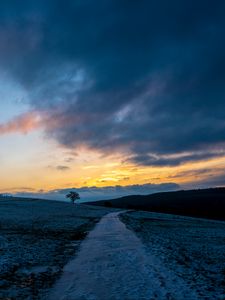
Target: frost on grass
(192, 248)
(37, 238)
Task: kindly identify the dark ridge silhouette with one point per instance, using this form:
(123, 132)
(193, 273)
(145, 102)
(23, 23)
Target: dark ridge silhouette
(205, 203)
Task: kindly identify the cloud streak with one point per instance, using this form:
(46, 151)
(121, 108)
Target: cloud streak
(23, 124)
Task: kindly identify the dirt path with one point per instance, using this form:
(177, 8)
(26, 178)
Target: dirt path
(113, 264)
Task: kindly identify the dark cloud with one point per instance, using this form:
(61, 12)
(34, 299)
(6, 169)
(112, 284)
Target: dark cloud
(108, 192)
(59, 168)
(192, 173)
(211, 180)
(146, 77)
(69, 159)
(160, 161)
(62, 168)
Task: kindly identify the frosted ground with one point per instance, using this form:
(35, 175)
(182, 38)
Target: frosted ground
(37, 238)
(169, 258)
(155, 256)
(192, 249)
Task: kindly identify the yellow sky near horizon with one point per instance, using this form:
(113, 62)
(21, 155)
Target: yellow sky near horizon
(30, 162)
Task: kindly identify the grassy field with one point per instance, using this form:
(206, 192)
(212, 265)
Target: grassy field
(37, 238)
(192, 248)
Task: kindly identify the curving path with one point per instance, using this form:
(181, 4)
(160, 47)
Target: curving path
(112, 264)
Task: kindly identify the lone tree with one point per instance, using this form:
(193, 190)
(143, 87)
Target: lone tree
(73, 196)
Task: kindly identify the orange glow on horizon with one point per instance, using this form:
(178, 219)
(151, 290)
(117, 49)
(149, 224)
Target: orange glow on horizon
(88, 168)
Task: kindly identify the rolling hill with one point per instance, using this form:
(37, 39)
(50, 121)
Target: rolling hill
(205, 203)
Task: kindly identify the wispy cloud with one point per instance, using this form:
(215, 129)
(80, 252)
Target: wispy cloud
(21, 124)
(62, 168)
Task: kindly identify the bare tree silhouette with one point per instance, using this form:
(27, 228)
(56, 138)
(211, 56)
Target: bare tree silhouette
(73, 196)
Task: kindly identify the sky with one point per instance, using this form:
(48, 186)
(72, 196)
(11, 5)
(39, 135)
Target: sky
(111, 97)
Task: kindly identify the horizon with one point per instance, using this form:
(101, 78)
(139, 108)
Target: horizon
(109, 98)
(88, 196)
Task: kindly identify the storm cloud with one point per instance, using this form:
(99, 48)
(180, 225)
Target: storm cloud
(143, 77)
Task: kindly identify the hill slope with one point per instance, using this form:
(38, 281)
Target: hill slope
(206, 203)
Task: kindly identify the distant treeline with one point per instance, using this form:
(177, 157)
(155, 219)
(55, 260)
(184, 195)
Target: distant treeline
(5, 195)
(205, 203)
